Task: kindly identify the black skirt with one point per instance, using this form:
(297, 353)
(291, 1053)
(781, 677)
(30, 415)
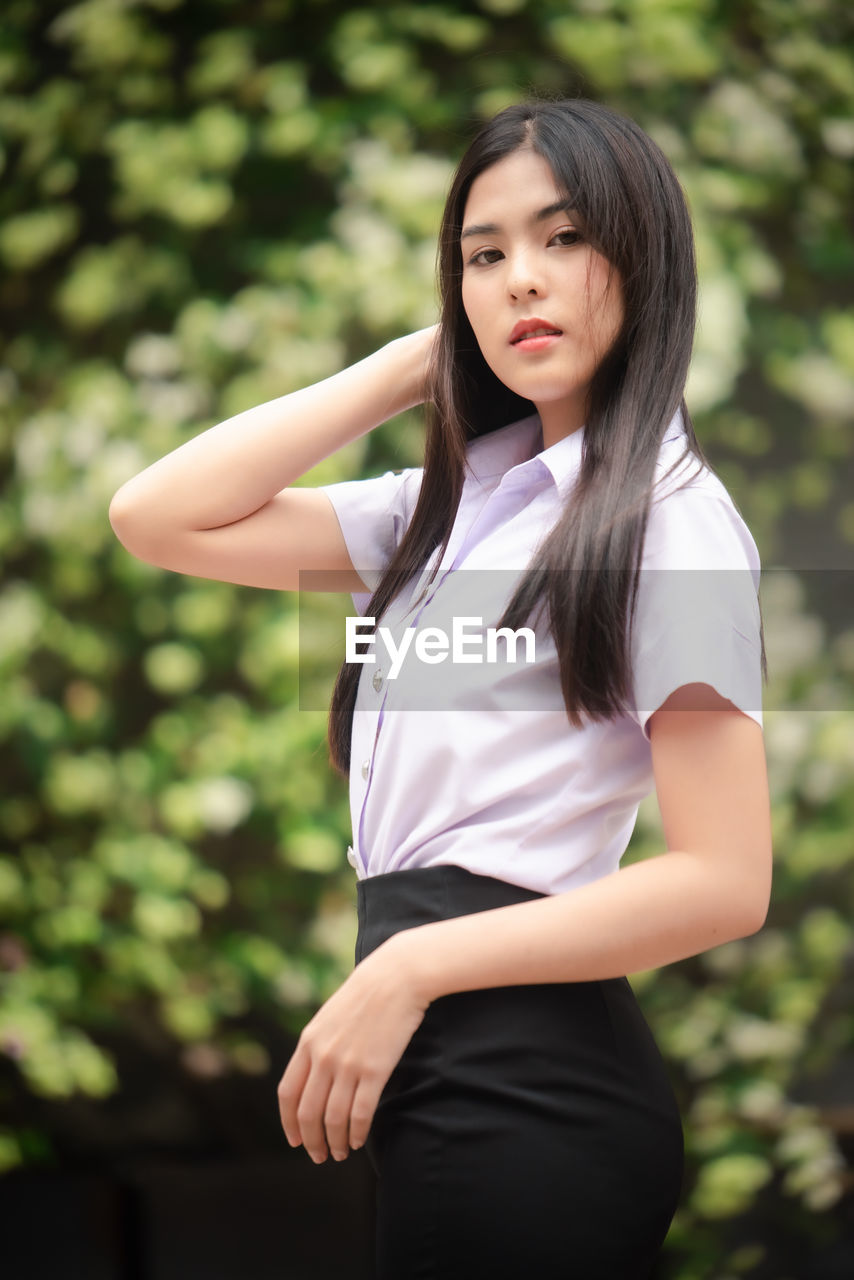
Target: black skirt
(527, 1130)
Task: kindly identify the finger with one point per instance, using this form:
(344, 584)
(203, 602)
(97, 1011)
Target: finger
(363, 1108)
(311, 1108)
(336, 1117)
(290, 1092)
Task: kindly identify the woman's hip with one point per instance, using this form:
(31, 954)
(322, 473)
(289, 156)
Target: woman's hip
(549, 1048)
(514, 1105)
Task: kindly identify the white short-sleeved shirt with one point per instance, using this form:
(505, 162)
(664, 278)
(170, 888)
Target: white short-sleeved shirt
(476, 763)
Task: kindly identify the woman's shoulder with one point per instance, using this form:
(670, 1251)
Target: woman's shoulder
(694, 519)
(683, 479)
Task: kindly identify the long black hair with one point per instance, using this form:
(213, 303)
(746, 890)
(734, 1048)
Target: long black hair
(633, 211)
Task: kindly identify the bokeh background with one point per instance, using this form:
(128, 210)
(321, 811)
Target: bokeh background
(204, 205)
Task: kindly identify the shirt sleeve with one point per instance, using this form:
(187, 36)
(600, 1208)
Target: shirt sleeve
(373, 515)
(697, 616)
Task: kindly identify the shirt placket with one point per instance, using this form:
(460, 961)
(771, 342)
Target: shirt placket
(498, 505)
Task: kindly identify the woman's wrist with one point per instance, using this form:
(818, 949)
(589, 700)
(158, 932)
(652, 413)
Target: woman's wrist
(413, 353)
(408, 957)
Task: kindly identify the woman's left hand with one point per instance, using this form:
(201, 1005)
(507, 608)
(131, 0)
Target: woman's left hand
(346, 1053)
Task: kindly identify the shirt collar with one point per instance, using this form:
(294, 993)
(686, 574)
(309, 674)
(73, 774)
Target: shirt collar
(520, 445)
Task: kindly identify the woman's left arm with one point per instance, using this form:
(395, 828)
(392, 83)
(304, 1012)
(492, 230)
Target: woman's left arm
(712, 885)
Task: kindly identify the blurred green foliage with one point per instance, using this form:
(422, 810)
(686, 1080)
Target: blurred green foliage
(204, 206)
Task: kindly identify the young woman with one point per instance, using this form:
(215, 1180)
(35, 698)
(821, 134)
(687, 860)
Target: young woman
(487, 1046)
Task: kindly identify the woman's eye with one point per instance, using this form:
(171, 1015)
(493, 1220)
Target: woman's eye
(485, 256)
(568, 237)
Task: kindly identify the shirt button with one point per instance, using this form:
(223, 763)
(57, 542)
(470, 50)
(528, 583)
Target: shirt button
(377, 680)
(351, 857)
(366, 764)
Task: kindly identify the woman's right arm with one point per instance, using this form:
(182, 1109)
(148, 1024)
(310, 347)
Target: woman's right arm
(222, 505)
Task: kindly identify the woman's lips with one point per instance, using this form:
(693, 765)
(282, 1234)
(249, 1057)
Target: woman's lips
(536, 341)
(534, 333)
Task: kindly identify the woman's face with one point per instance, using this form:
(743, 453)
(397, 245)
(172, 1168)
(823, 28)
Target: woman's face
(525, 262)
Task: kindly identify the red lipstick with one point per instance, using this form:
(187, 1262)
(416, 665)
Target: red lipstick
(534, 333)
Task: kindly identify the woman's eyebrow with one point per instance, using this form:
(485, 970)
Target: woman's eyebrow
(490, 228)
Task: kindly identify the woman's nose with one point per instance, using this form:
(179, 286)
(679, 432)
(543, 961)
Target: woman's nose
(524, 279)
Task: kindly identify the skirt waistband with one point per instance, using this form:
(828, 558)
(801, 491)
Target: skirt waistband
(398, 900)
